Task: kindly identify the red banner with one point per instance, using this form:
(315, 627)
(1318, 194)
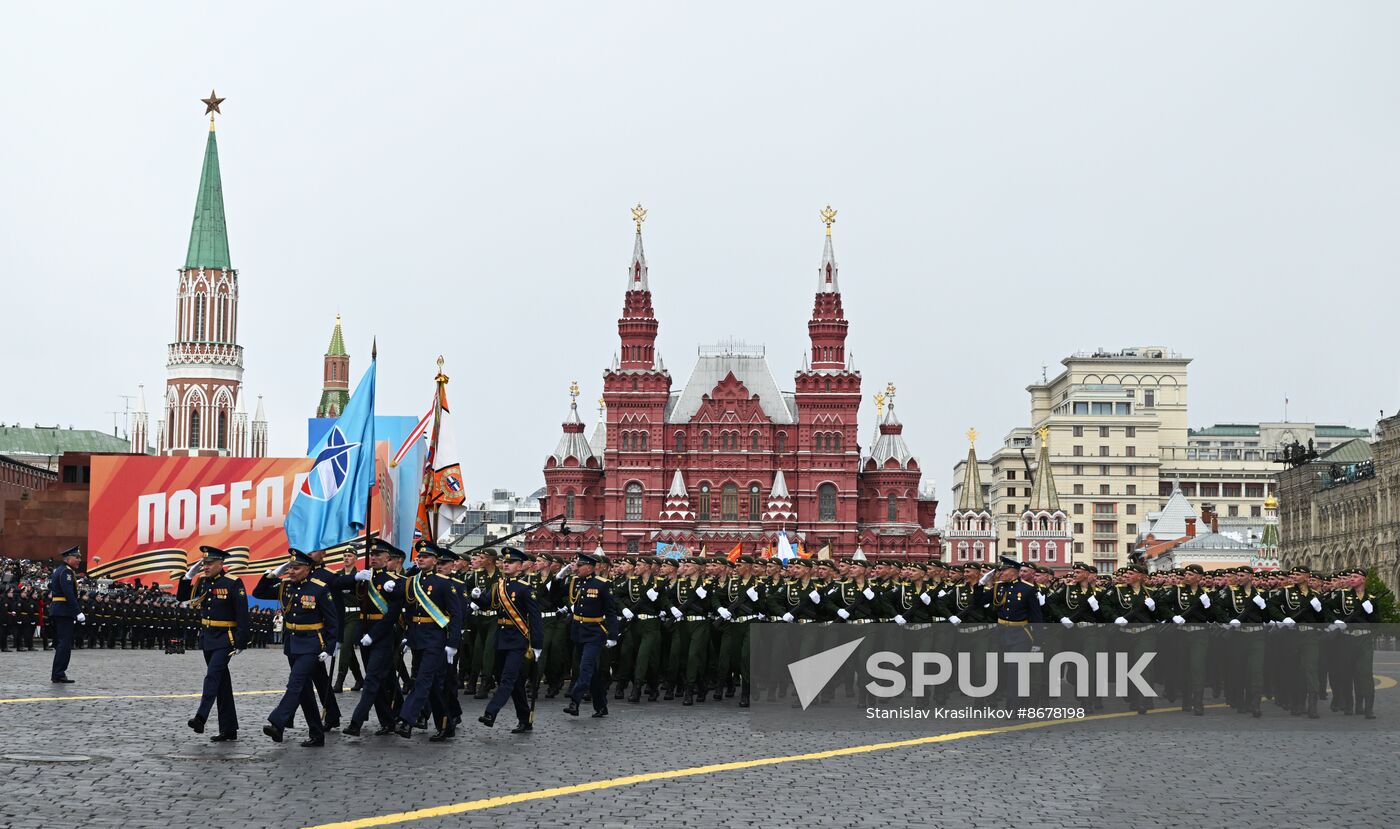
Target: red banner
(148, 516)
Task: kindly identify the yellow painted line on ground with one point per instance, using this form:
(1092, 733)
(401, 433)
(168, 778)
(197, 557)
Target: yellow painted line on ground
(650, 777)
(1383, 682)
(131, 696)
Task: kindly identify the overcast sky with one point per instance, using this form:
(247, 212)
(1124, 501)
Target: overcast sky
(1015, 182)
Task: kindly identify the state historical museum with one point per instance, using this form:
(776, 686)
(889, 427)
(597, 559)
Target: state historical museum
(731, 458)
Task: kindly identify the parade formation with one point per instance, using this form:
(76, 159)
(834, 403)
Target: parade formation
(505, 627)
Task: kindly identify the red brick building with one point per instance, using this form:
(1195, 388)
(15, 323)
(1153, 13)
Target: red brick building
(729, 457)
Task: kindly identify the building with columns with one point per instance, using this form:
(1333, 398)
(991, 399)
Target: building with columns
(730, 458)
(202, 412)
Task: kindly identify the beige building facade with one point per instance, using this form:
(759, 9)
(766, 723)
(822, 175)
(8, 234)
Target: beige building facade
(1120, 443)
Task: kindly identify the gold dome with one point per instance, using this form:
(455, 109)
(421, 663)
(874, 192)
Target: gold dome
(1271, 502)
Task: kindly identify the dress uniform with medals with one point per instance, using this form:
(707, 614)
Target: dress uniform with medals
(593, 627)
(310, 629)
(519, 639)
(434, 614)
(379, 643)
(222, 604)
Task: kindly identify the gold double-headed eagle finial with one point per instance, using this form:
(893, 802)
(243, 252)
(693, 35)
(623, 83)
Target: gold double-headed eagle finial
(639, 215)
(879, 406)
(1044, 432)
(828, 218)
(889, 392)
(573, 390)
(971, 435)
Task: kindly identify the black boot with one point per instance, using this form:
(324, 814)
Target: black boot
(636, 694)
(196, 724)
(744, 696)
(483, 686)
(689, 696)
(552, 691)
(1370, 703)
(488, 720)
(351, 730)
(316, 740)
(224, 737)
(274, 732)
(670, 694)
(653, 693)
(523, 728)
(572, 708)
(403, 729)
(621, 689)
(719, 694)
(1312, 706)
(470, 687)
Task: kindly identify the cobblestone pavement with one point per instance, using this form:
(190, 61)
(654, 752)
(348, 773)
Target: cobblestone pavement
(144, 768)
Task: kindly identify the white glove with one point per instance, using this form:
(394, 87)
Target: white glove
(842, 612)
(325, 659)
(184, 604)
(537, 653)
(1094, 604)
(725, 614)
(1067, 622)
(364, 575)
(281, 568)
(676, 611)
(1120, 621)
(701, 592)
(389, 585)
(1259, 601)
(366, 640)
(787, 617)
(1367, 606)
(476, 592)
(1205, 600)
(405, 648)
(1151, 603)
(926, 599)
(451, 653)
(986, 577)
(1316, 605)
(1041, 598)
(1234, 623)
(942, 593)
(1288, 620)
(1340, 625)
(234, 652)
(954, 620)
(194, 568)
(869, 594)
(815, 597)
(753, 595)
(627, 613)
(653, 595)
(611, 643)
(1178, 620)
(82, 618)
(899, 620)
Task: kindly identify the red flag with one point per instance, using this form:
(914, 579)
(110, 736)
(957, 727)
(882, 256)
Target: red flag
(733, 555)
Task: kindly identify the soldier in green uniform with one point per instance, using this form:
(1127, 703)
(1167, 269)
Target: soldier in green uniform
(639, 597)
(1130, 606)
(1351, 610)
(1187, 606)
(1244, 611)
(689, 602)
(741, 602)
(1298, 610)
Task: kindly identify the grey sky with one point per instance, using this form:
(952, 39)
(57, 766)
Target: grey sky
(1015, 182)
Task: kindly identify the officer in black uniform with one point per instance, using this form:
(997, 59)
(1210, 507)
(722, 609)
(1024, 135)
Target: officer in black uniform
(593, 627)
(519, 639)
(64, 612)
(222, 603)
(310, 627)
(379, 616)
(433, 610)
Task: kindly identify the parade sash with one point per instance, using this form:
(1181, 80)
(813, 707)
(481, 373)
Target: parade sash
(516, 618)
(421, 598)
(377, 598)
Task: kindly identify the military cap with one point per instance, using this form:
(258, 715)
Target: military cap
(670, 562)
(1193, 568)
(858, 562)
(428, 548)
(587, 558)
(514, 554)
(298, 557)
(746, 559)
(1301, 569)
(379, 545)
(1352, 571)
(1008, 561)
(75, 550)
(1079, 565)
(489, 552)
(213, 553)
(1245, 569)
(804, 562)
(1135, 568)
(917, 566)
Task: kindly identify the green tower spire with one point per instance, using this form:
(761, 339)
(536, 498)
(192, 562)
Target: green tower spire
(208, 236)
(337, 346)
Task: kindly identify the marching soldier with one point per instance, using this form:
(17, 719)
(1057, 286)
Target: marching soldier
(553, 601)
(641, 643)
(64, 612)
(519, 640)
(1188, 607)
(434, 613)
(1127, 604)
(740, 603)
(482, 624)
(379, 642)
(1351, 609)
(1244, 611)
(688, 601)
(311, 627)
(855, 600)
(1296, 605)
(593, 628)
(222, 603)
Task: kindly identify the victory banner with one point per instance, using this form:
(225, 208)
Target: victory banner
(148, 516)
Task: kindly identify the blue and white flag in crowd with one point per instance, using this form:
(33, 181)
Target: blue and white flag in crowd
(329, 507)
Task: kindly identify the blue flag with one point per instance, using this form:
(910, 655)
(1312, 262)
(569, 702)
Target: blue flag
(329, 508)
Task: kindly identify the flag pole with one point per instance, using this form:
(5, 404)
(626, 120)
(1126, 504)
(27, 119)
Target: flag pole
(430, 511)
(374, 475)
